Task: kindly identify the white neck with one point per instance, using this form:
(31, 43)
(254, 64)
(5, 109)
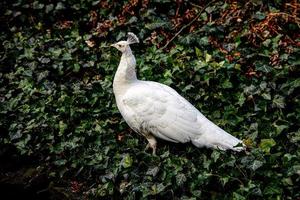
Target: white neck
(126, 71)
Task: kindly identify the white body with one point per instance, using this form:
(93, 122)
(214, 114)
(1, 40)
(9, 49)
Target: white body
(154, 109)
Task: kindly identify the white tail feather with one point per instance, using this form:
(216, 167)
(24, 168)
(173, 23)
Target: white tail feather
(219, 139)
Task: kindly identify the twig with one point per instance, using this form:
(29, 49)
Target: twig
(241, 171)
(184, 27)
(195, 5)
(297, 20)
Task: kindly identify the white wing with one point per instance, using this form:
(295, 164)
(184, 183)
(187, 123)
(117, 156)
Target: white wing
(151, 107)
(158, 109)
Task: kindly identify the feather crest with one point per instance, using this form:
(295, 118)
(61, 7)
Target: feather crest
(132, 38)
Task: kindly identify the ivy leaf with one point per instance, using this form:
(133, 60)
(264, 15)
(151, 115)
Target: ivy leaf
(180, 179)
(152, 171)
(278, 101)
(207, 57)
(76, 67)
(156, 189)
(294, 137)
(241, 99)
(49, 8)
(266, 96)
(154, 25)
(259, 15)
(272, 189)
(127, 161)
(198, 52)
(60, 6)
(55, 52)
(266, 145)
(280, 128)
(227, 84)
(67, 56)
(256, 164)
(62, 127)
(264, 68)
(215, 155)
(60, 162)
(204, 41)
(224, 180)
(237, 196)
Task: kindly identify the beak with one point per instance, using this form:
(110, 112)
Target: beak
(113, 45)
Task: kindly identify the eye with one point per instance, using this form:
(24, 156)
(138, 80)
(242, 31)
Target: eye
(119, 45)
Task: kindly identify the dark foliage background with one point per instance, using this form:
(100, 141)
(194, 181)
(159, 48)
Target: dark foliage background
(62, 136)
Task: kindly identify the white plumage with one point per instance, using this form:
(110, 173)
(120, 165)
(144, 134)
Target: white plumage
(156, 110)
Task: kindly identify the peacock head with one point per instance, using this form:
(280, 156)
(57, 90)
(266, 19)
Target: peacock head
(124, 45)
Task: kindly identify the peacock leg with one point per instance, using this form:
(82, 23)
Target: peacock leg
(151, 144)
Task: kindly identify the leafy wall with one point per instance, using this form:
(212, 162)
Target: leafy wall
(237, 62)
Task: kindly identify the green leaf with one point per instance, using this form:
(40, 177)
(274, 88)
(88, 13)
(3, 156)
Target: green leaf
(152, 171)
(67, 56)
(264, 68)
(215, 155)
(180, 179)
(227, 84)
(256, 164)
(60, 162)
(260, 15)
(49, 8)
(28, 53)
(294, 137)
(272, 189)
(210, 9)
(241, 99)
(266, 145)
(155, 25)
(37, 5)
(278, 101)
(157, 188)
(55, 52)
(224, 180)
(204, 41)
(127, 161)
(267, 42)
(60, 6)
(76, 67)
(280, 128)
(198, 52)
(266, 96)
(62, 127)
(237, 196)
(207, 57)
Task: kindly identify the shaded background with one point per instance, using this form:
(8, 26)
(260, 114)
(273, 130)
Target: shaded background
(62, 136)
